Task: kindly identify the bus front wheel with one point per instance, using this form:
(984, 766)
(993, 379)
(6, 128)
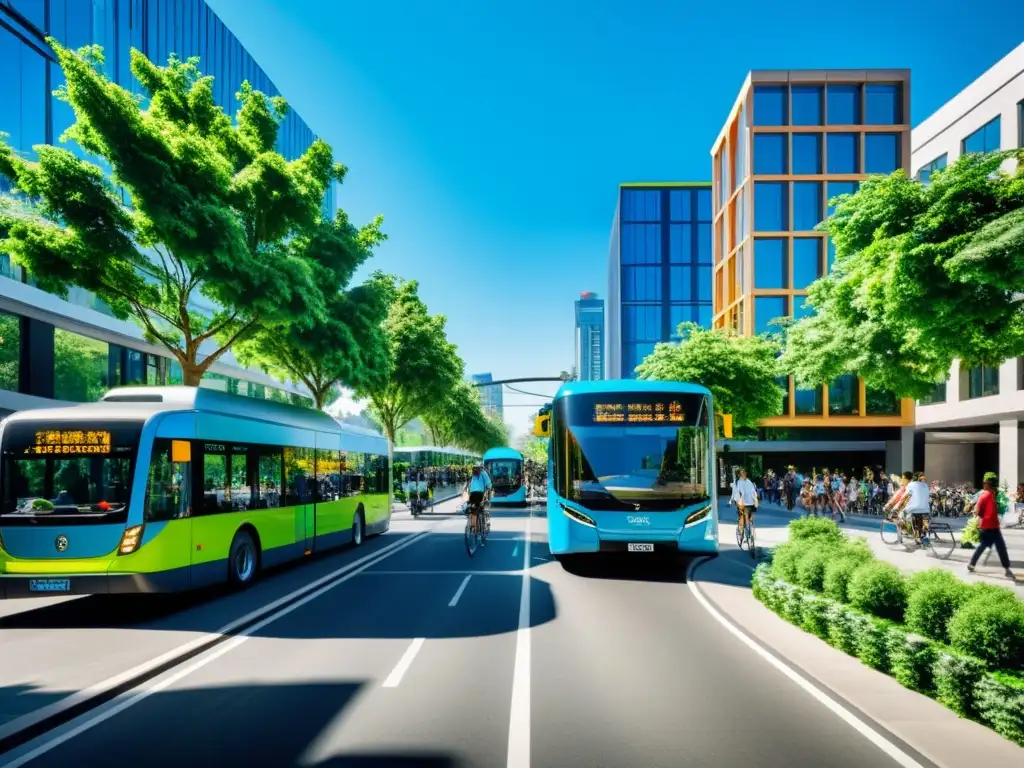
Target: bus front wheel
(357, 530)
(243, 562)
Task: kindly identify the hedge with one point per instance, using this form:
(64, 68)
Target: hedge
(961, 644)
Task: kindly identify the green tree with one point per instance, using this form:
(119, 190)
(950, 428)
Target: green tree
(536, 449)
(458, 419)
(214, 210)
(348, 345)
(425, 366)
(740, 371)
(924, 274)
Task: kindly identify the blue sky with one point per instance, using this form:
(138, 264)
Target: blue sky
(492, 136)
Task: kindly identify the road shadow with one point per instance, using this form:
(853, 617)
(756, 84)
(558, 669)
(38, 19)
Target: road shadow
(258, 725)
(613, 566)
(733, 567)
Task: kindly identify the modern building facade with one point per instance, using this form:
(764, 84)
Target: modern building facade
(589, 359)
(972, 422)
(490, 396)
(73, 350)
(792, 142)
(659, 269)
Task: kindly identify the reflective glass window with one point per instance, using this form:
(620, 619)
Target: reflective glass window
(703, 204)
(681, 284)
(771, 206)
(704, 252)
(767, 309)
(806, 205)
(641, 205)
(80, 367)
(831, 255)
(641, 283)
(806, 101)
(680, 204)
(844, 396)
(924, 173)
(680, 313)
(806, 261)
(808, 402)
(782, 382)
(167, 494)
(881, 152)
(33, 10)
(641, 323)
(704, 283)
(704, 315)
(10, 351)
(985, 139)
(843, 104)
(770, 153)
(801, 308)
(680, 243)
(843, 153)
(837, 188)
(770, 263)
(641, 243)
(982, 381)
(806, 153)
(770, 105)
(878, 402)
(23, 94)
(883, 104)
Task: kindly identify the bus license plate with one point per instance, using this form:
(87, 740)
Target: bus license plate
(641, 547)
(49, 585)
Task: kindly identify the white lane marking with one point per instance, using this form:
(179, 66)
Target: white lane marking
(403, 664)
(458, 593)
(865, 730)
(376, 572)
(128, 699)
(515, 549)
(519, 717)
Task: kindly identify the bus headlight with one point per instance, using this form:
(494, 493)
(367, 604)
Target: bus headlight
(579, 517)
(130, 540)
(696, 517)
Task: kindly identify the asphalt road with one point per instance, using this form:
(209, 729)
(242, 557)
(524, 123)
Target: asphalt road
(430, 658)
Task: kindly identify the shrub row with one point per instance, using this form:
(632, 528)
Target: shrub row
(979, 620)
(961, 682)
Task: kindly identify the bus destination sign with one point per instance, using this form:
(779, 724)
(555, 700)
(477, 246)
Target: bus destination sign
(54, 441)
(668, 412)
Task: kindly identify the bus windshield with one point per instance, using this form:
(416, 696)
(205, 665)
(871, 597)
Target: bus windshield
(632, 451)
(68, 473)
(505, 473)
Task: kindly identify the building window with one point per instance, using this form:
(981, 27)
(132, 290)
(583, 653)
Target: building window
(830, 253)
(770, 153)
(801, 308)
(10, 351)
(640, 243)
(703, 204)
(844, 396)
(771, 206)
(704, 283)
(783, 383)
(881, 152)
(982, 382)
(883, 104)
(843, 104)
(767, 309)
(80, 367)
(641, 205)
(681, 284)
(641, 283)
(837, 188)
(704, 315)
(807, 104)
(985, 139)
(769, 105)
(680, 205)
(924, 174)
(24, 95)
(806, 153)
(704, 243)
(843, 153)
(770, 267)
(808, 402)
(806, 261)
(806, 205)
(937, 395)
(680, 243)
(641, 323)
(881, 403)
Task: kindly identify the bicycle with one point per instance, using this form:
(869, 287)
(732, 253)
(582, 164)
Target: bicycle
(478, 538)
(745, 532)
(939, 538)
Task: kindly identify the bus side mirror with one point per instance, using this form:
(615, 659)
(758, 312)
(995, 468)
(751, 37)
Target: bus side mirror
(542, 426)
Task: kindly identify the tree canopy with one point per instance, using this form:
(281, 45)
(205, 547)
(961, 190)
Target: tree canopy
(536, 449)
(425, 366)
(924, 274)
(213, 210)
(740, 371)
(458, 419)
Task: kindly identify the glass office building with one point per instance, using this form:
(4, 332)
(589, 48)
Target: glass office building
(792, 142)
(491, 398)
(72, 350)
(589, 359)
(659, 269)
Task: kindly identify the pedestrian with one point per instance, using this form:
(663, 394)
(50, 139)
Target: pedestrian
(987, 512)
(792, 486)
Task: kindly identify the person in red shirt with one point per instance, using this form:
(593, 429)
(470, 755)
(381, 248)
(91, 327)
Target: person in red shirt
(988, 526)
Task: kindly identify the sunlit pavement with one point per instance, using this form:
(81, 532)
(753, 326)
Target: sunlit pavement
(430, 658)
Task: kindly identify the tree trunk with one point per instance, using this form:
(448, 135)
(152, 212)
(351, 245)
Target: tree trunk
(192, 373)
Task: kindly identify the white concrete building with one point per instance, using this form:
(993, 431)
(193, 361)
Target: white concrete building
(972, 423)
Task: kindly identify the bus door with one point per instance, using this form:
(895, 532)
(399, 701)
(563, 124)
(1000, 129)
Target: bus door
(301, 480)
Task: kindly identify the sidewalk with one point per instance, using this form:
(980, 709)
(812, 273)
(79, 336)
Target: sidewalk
(772, 529)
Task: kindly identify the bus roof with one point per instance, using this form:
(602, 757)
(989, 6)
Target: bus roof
(502, 453)
(418, 448)
(627, 385)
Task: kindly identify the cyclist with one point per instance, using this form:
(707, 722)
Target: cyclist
(916, 502)
(478, 487)
(744, 495)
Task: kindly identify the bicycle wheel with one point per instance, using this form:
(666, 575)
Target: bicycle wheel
(471, 538)
(751, 541)
(741, 537)
(891, 532)
(942, 543)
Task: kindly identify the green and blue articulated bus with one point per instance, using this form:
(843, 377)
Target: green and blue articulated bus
(161, 489)
(505, 468)
(631, 468)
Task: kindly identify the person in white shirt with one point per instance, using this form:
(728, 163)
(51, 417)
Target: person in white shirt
(744, 495)
(477, 487)
(916, 502)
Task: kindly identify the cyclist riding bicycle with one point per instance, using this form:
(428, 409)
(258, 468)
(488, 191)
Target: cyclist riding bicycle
(478, 487)
(916, 502)
(744, 495)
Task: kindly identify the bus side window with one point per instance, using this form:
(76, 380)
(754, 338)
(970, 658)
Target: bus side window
(167, 492)
(267, 484)
(299, 479)
(216, 495)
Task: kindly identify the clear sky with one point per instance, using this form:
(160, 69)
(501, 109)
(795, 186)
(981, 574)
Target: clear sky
(493, 135)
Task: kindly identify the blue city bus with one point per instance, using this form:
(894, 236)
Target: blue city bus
(505, 467)
(631, 468)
